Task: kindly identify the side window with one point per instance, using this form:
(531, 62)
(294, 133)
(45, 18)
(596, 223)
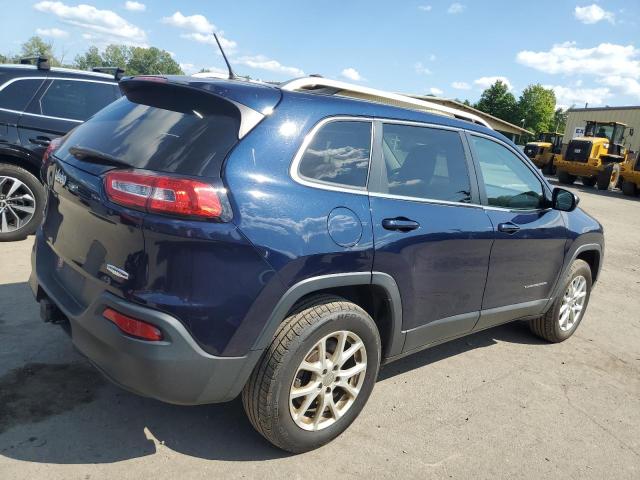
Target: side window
(76, 100)
(339, 153)
(507, 180)
(425, 163)
(16, 95)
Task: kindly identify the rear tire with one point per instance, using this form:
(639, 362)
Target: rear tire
(588, 181)
(293, 362)
(629, 189)
(21, 203)
(566, 178)
(553, 326)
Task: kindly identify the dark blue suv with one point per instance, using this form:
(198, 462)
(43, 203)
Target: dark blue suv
(207, 237)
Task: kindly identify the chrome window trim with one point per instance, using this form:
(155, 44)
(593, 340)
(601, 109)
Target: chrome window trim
(16, 79)
(294, 170)
(364, 191)
(41, 116)
(526, 162)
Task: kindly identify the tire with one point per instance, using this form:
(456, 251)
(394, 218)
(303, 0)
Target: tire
(566, 178)
(550, 326)
(607, 179)
(588, 181)
(548, 169)
(266, 396)
(629, 189)
(21, 210)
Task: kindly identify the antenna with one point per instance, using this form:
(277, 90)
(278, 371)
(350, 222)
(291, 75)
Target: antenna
(232, 76)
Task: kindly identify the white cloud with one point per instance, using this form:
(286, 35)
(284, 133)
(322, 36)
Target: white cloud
(52, 32)
(568, 96)
(486, 82)
(455, 8)
(421, 69)
(425, 8)
(263, 63)
(201, 29)
(188, 68)
(352, 74)
(461, 86)
(435, 91)
(568, 59)
(593, 14)
(135, 6)
(104, 23)
(625, 85)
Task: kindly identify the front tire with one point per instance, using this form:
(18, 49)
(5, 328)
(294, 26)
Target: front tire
(588, 181)
(567, 311)
(566, 178)
(608, 178)
(21, 203)
(316, 376)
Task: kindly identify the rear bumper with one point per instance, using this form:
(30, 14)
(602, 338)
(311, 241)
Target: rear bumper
(175, 370)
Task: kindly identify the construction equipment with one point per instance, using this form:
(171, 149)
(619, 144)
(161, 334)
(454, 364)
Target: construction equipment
(630, 174)
(544, 151)
(594, 157)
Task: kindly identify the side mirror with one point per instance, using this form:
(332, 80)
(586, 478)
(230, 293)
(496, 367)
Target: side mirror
(564, 200)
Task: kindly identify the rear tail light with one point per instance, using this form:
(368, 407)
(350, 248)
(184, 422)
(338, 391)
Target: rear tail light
(52, 147)
(163, 194)
(133, 326)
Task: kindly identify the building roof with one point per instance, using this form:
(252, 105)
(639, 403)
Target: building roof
(495, 122)
(602, 109)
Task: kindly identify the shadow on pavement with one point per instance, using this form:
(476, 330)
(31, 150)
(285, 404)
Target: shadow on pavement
(63, 412)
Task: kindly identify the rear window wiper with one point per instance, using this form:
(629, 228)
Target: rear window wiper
(91, 155)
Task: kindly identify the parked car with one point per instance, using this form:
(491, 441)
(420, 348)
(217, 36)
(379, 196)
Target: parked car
(37, 105)
(206, 238)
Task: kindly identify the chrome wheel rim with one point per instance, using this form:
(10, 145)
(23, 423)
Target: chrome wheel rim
(328, 380)
(573, 303)
(17, 204)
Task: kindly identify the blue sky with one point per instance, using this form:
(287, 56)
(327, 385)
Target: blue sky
(588, 52)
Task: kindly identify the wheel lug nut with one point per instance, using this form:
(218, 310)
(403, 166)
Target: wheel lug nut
(328, 389)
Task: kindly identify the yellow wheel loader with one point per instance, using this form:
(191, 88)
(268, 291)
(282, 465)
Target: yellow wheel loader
(630, 174)
(595, 157)
(543, 151)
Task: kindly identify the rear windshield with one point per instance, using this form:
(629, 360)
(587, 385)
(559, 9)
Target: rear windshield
(162, 128)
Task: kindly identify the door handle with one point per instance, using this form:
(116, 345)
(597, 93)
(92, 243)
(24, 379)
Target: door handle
(402, 224)
(40, 140)
(508, 227)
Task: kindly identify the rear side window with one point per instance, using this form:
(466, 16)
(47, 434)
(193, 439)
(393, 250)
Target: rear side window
(422, 162)
(75, 100)
(339, 154)
(17, 94)
(165, 129)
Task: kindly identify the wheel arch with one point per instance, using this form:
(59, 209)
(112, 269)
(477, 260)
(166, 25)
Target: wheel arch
(20, 158)
(377, 293)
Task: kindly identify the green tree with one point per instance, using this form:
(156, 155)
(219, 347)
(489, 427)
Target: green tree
(89, 59)
(560, 120)
(134, 60)
(537, 106)
(498, 101)
(37, 46)
(4, 58)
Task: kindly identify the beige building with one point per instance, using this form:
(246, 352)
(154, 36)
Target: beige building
(577, 117)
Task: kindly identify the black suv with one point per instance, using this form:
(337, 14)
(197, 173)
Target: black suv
(37, 105)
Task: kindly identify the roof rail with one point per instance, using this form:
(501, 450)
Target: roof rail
(117, 72)
(337, 87)
(41, 62)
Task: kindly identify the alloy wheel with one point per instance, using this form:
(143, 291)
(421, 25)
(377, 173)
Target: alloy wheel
(572, 303)
(328, 380)
(17, 204)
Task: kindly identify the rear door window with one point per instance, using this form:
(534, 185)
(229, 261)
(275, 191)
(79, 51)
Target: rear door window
(17, 94)
(339, 154)
(164, 129)
(75, 99)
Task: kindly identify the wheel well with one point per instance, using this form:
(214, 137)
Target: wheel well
(19, 162)
(592, 257)
(373, 299)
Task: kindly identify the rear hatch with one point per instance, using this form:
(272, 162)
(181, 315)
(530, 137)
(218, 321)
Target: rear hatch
(160, 129)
